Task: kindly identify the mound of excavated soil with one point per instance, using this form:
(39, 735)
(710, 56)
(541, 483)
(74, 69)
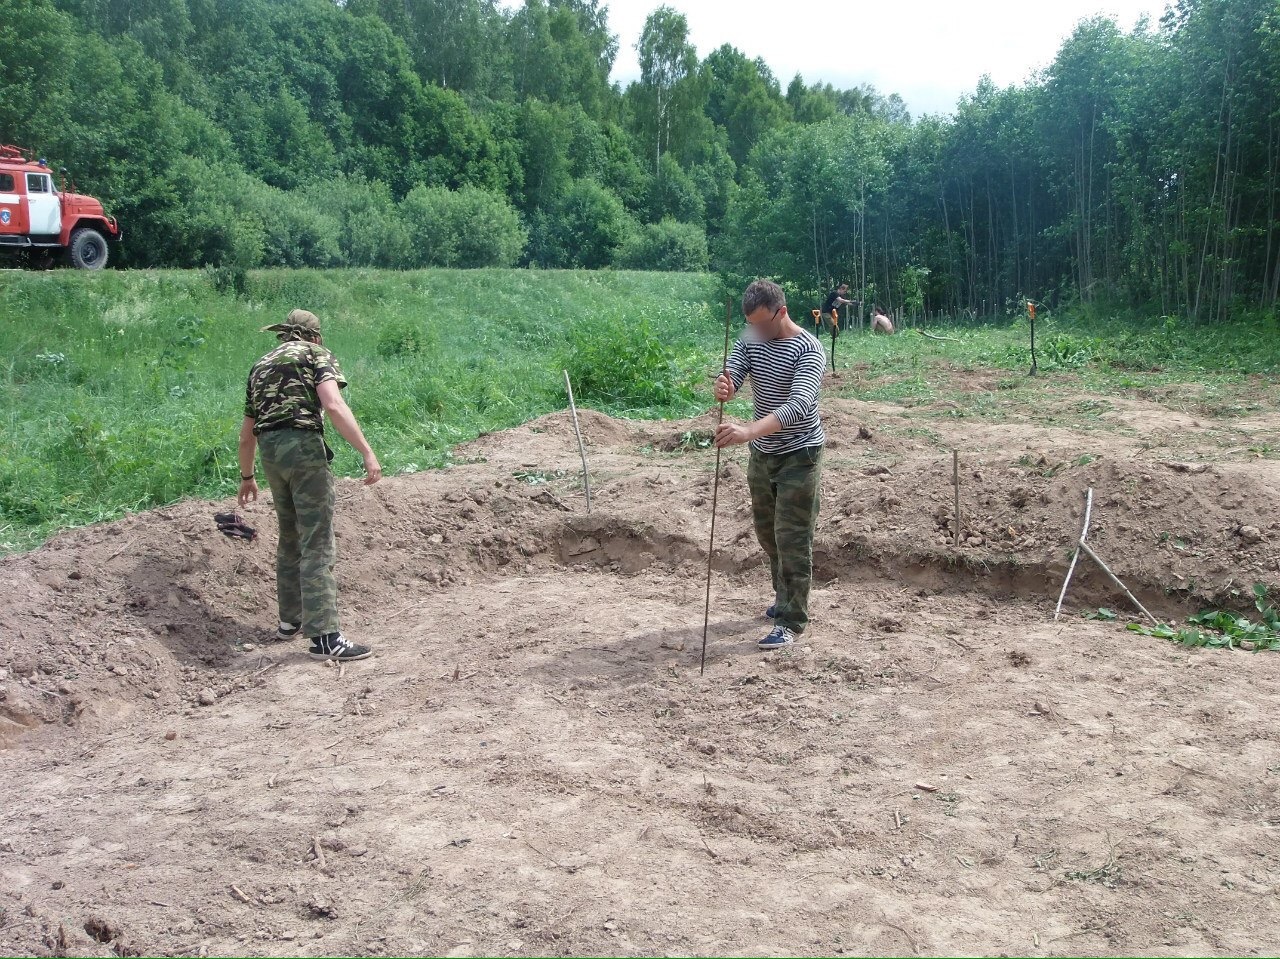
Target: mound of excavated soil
(532, 764)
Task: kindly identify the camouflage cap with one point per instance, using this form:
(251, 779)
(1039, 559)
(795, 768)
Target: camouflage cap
(303, 321)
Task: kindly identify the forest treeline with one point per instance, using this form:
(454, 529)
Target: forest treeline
(1139, 168)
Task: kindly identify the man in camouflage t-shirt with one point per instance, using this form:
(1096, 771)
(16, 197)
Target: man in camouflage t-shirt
(289, 392)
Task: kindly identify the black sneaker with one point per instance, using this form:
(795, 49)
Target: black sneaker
(288, 630)
(772, 611)
(336, 647)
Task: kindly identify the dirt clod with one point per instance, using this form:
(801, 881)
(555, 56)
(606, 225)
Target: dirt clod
(322, 909)
(102, 930)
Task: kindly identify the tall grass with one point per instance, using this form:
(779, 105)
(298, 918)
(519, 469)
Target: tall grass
(124, 390)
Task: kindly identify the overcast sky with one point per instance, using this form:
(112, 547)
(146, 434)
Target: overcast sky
(928, 51)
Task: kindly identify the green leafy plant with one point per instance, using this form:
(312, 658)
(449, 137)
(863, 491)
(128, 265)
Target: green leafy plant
(691, 440)
(1220, 629)
(403, 337)
(626, 364)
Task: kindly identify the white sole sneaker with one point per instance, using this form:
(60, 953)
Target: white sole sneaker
(787, 640)
(341, 650)
(339, 657)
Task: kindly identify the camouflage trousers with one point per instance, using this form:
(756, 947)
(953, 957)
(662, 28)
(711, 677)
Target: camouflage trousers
(784, 506)
(296, 463)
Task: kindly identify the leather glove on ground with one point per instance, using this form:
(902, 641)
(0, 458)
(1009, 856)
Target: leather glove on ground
(232, 525)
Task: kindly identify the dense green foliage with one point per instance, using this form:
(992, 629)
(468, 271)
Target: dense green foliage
(124, 390)
(1139, 169)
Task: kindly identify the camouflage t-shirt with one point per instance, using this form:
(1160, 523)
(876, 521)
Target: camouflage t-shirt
(282, 387)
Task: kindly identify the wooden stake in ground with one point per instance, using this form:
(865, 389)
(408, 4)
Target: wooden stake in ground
(582, 450)
(1084, 547)
(955, 481)
(1084, 533)
(715, 493)
(1031, 312)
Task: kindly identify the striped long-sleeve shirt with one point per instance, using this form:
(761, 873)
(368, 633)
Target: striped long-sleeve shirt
(785, 377)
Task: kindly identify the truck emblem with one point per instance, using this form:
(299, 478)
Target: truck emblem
(4, 217)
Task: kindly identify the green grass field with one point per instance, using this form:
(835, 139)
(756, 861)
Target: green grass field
(1230, 368)
(124, 390)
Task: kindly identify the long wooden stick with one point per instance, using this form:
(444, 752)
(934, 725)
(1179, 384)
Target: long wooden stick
(715, 493)
(955, 480)
(1115, 579)
(582, 450)
(1084, 533)
(1034, 367)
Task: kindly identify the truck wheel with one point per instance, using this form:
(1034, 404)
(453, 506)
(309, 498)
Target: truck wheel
(87, 249)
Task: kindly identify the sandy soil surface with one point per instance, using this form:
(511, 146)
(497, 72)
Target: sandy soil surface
(532, 763)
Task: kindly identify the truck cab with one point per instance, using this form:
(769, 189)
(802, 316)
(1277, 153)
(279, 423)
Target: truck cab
(41, 221)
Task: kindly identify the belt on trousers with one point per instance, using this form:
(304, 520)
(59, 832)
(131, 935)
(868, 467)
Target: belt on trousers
(796, 452)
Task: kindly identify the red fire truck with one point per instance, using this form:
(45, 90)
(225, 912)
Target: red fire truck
(40, 221)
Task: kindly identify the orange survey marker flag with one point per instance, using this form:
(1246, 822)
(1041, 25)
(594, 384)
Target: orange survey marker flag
(1031, 309)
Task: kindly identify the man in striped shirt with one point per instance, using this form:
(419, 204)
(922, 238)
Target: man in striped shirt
(785, 364)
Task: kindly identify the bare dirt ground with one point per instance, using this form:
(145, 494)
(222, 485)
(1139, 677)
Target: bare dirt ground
(533, 765)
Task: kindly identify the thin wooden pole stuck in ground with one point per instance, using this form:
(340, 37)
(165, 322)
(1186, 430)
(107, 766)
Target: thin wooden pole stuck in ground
(582, 450)
(715, 493)
(1031, 313)
(955, 480)
(1084, 534)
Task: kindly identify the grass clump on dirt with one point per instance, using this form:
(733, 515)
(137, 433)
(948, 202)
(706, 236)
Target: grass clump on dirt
(124, 390)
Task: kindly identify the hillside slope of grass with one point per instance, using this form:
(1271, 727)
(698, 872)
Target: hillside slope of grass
(124, 390)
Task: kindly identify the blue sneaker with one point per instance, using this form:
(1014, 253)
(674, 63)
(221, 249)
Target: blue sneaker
(779, 638)
(772, 611)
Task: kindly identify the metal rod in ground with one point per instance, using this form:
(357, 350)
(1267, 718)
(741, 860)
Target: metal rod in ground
(955, 481)
(1084, 534)
(715, 494)
(1116, 580)
(582, 450)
